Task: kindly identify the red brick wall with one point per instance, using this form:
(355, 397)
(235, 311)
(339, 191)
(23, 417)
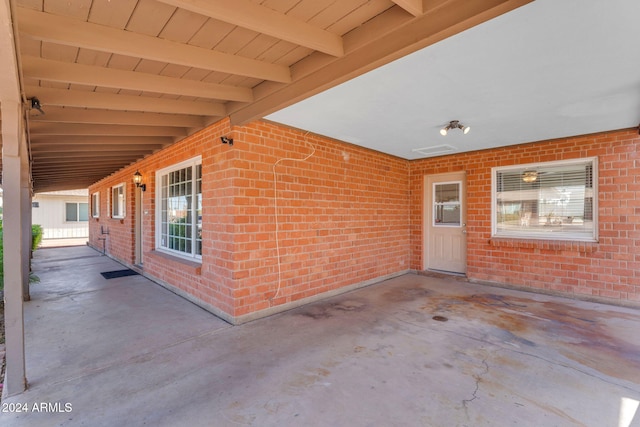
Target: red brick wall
(343, 216)
(607, 269)
(348, 215)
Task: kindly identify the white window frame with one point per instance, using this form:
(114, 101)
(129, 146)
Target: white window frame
(549, 234)
(193, 256)
(77, 220)
(118, 209)
(95, 205)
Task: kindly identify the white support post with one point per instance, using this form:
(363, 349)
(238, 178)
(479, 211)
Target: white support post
(13, 148)
(14, 179)
(25, 200)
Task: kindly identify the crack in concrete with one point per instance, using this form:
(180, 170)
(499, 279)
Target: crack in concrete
(524, 353)
(474, 395)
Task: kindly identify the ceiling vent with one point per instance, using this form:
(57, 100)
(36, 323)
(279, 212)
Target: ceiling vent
(436, 150)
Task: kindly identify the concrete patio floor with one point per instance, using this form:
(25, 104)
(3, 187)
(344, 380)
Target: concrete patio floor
(128, 352)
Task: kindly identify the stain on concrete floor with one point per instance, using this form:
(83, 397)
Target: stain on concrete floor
(579, 334)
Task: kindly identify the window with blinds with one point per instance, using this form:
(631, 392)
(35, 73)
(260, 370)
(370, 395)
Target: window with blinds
(554, 200)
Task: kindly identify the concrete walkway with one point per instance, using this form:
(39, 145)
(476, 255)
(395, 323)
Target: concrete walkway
(59, 243)
(127, 352)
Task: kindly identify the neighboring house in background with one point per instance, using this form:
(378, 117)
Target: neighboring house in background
(62, 214)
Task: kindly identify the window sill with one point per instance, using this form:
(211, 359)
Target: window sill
(190, 267)
(549, 245)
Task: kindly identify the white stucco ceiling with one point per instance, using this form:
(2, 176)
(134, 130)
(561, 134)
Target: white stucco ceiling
(550, 69)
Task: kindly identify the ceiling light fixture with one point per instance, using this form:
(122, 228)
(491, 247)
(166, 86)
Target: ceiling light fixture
(455, 124)
(529, 176)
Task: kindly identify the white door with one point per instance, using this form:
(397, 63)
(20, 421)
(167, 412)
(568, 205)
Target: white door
(445, 238)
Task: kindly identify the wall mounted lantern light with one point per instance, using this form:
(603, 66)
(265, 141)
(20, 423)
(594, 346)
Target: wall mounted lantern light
(226, 140)
(454, 124)
(137, 180)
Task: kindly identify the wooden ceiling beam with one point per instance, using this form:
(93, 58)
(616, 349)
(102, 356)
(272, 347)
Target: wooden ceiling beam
(52, 183)
(72, 170)
(107, 141)
(73, 32)
(103, 130)
(51, 151)
(104, 169)
(414, 7)
(80, 161)
(96, 116)
(267, 21)
(97, 170)
(64, 72)
(387, 37)
(96, 165)
(49, 184)
(87, 178)
(64, 184)
(44, 157)
(111, 101)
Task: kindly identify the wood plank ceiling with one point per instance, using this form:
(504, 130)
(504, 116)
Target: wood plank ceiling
(121, 79)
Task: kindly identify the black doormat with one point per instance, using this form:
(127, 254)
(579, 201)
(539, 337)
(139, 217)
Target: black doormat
(118, 273)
